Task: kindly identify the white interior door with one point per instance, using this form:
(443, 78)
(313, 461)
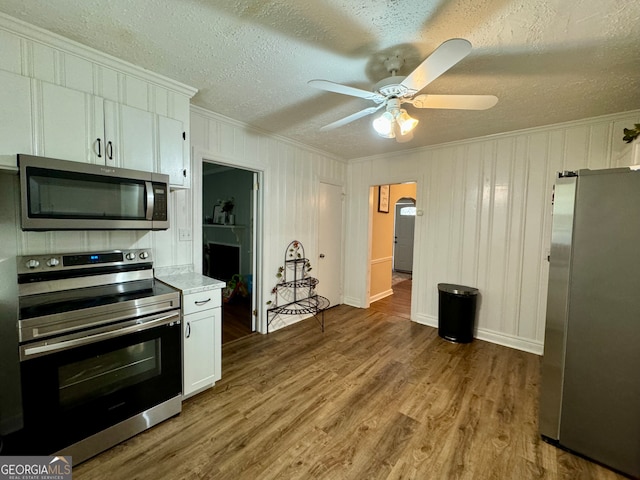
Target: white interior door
(330, 242)
(404, 230)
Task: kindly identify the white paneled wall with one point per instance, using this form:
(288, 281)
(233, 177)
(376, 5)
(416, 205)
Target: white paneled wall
(291, 174)
(487, 219)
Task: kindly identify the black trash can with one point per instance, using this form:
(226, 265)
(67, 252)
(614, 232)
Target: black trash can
(456, 312)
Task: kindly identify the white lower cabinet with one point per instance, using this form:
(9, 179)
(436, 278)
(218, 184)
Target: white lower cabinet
(201, 341)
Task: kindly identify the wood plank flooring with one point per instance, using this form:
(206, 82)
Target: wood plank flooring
(397, 304)
(236, 319)
(374, 397)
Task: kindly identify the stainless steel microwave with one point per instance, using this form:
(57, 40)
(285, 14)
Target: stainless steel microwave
(63, 195)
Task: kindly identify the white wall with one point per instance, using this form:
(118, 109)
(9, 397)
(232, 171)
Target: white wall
(291, 176)
(487, 218)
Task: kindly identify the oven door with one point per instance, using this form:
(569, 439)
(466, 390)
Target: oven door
(84, 385)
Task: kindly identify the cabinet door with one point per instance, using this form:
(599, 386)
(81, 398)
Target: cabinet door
(15, 118)
(130, 131)
(170, 149)
(198, 361)
(71, 125)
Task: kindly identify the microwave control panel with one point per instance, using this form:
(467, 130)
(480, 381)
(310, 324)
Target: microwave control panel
(160, 201)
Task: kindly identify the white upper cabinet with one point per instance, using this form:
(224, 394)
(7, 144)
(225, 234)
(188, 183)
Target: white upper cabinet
(171, 138)
(16, 133)
(132, 136)
(82, 127)
(70, 124)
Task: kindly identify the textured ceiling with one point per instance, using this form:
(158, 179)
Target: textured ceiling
(547, 61)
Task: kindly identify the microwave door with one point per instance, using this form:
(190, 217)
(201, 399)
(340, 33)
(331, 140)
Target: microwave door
(61, 195)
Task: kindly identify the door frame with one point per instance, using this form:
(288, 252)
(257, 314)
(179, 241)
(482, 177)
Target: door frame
(258, 319)
(419, 181)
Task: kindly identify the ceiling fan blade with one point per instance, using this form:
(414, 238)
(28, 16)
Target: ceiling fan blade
(351, 118)
(442, 59)
(458, 102)
(345, 90)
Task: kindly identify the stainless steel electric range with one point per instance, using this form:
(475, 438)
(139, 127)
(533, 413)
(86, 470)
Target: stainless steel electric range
(99, 346)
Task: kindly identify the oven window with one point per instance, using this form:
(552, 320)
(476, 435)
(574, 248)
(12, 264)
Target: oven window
(94, 377)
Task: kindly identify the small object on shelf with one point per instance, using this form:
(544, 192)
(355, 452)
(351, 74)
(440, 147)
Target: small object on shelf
(296, 288)
(218, 215)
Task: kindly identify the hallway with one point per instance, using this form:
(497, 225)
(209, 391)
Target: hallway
(398, 304)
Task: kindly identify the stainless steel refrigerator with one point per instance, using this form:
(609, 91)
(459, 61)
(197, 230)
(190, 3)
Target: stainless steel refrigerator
(590, 392)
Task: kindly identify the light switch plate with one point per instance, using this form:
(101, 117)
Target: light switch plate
(184, 234)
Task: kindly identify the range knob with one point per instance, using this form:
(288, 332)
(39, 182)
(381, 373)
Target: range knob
(144, 255)
(53, 262)
(33, 263)
(130, 256)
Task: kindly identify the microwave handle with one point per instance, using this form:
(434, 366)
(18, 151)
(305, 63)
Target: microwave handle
(148, 186)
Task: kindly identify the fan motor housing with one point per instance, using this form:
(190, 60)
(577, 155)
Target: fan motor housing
(392, 87)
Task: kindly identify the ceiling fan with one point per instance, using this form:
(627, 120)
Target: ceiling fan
(390, 93)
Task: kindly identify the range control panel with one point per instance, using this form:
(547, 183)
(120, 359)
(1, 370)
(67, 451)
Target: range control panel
(70, 261)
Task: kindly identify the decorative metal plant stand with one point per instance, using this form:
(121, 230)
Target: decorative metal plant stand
(295, 292)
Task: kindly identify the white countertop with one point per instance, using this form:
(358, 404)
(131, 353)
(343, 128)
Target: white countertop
(191, 282)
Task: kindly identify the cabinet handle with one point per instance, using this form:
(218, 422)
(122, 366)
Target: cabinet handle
(202, 302)
(188, 332)
(99, 148)
(109, 150)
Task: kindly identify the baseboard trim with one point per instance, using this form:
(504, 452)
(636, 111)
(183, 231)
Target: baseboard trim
(353, 302)
(381, 295)
(282, 321)
(492, 336)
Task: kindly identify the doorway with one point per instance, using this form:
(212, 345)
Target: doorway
(229, 206)
(391, 253)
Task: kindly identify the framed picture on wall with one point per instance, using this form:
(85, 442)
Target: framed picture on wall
(383, 198)
(218, 215)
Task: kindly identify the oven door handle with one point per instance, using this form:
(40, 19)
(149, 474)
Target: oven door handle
(48, 347)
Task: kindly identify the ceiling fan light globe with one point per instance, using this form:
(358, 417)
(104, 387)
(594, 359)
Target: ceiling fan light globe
(383, 125)
(404, 138)
(406, 123)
